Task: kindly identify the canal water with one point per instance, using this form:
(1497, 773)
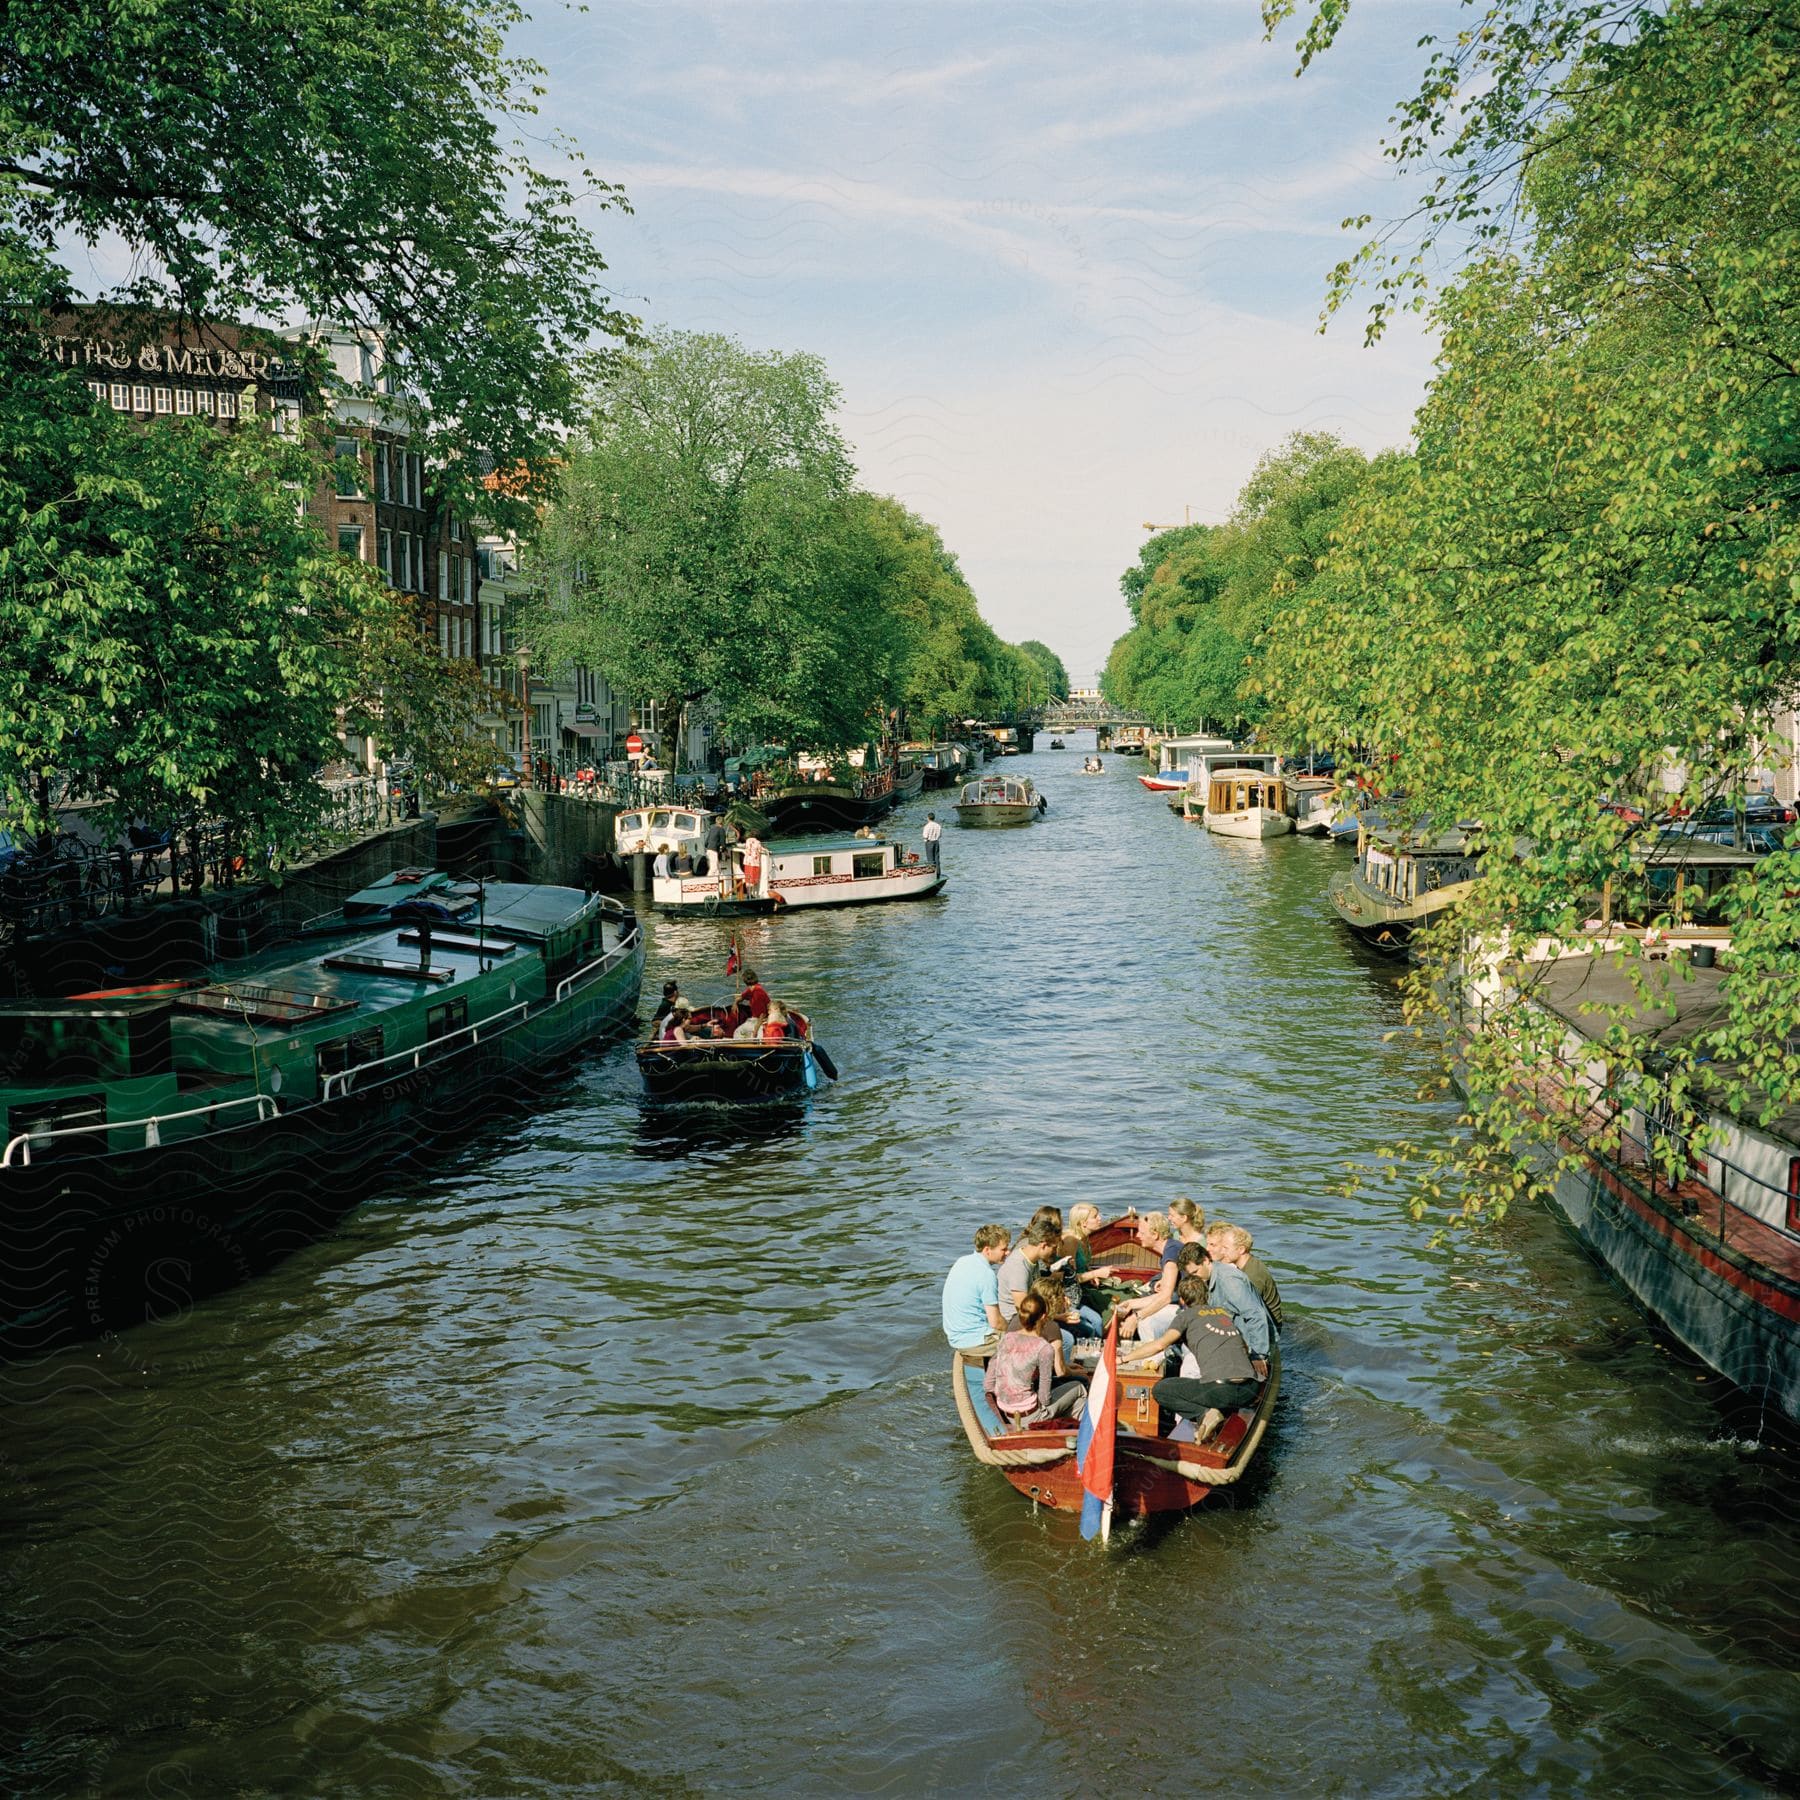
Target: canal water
(618, 1452)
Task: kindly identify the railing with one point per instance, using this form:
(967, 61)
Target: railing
(1698, 1159)
(581, 975)
(27, 1140)
(345, 1079)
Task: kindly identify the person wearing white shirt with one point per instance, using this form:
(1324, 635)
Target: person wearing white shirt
(931, 834)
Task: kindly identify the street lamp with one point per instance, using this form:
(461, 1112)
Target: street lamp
(524, 659)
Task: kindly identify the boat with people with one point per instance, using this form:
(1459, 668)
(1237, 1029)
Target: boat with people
(1056, 743)
(216, 1121)
(1403, 879)
(1245, 802)
(999, 800)
(1092, 765)
(1155, 1463)
(725, 1055)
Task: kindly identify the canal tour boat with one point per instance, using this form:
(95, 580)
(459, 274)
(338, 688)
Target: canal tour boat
(999, 800)
(1153, 1472)
(1246, 803)
(855, 872)
(166, 1140)
(726, 1071)
(1402, 881)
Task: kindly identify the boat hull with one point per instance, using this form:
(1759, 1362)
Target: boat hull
(822, 808)
(727, 1074)
(987, 816)
(1163, 784)
(1738, 1317)
(917, 883)
(90, 1245)
(1253, 822)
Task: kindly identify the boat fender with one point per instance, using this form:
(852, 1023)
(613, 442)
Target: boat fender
(823, 1059)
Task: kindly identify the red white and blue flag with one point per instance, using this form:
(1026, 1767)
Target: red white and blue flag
(735, 960)
(1099, 1434)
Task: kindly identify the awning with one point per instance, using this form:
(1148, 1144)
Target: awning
(582, 728)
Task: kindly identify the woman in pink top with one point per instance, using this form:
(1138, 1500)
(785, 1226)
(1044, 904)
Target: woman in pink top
(1019, 1376)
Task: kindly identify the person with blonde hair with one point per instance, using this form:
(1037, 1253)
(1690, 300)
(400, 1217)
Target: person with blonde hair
(1084, 1217)
(1233, 1244)
(775, 1023)
(1153, 1234)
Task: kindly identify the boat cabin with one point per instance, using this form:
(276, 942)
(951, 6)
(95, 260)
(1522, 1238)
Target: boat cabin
(1180, 757)
(1235, 790)
(1413, 865)
(811, 864)
(651, 830)
(998, 790)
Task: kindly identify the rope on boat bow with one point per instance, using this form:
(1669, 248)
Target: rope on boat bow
(978, 1439)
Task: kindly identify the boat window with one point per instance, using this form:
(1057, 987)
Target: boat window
(348, 1052)
(631, 822)
(447, 1017)
(686, 822)
(68, 1112)
(1243, 800)
(821, 865)
(866, 863)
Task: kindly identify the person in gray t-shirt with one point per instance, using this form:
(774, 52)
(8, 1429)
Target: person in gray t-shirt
(1038, 1245)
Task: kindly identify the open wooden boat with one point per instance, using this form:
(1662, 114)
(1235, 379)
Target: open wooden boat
(722, 1071)
(1152, 1472)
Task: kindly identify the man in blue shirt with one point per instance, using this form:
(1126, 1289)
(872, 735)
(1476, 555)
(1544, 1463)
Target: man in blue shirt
(972, 1291)
(1229, 1288)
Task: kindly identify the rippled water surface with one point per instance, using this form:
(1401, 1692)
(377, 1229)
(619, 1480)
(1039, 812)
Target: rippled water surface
(619, 1453)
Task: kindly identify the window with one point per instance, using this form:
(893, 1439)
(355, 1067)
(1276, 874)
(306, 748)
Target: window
(441, 1020)
(98, 390)
(228, 406)
(468, 638)
(164, 400)
(647, 716)
(349, 476)
(366, 357)
(184, 400)
(140, 399)
(203, 400)
(121, 397)
(484, 555)
(418, 478)
(381, 472)
(468, 580)
(444, 636)
(350, 541)
(443, 581)
(456, 529)
(1793, 1206)
(348, 1053)
(385, 543)
(821, 865)
(866, 863)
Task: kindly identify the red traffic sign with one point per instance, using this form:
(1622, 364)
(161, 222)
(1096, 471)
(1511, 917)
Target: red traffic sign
(634, 745)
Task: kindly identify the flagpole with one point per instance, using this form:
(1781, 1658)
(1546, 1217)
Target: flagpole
(1106, 1522)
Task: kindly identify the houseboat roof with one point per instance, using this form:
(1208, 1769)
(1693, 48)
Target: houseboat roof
(1680, 1007)
(818, 846)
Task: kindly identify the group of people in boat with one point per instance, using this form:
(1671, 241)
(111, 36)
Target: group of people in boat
(1092, 765)
(755, 1016)
(1208, 1316)
(716, 839)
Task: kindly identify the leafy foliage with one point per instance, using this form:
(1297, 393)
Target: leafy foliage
(288, 158)
(180, 644)
(706, 539)
(1202, 595)
(1055, 674)
(1585, 579)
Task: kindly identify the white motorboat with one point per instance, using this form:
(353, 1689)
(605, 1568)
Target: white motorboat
(999, 800)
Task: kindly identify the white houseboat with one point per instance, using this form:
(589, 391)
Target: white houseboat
(817, 872)
(652, 829)
(1178, 761)
(1246, 803)
(1208, 763)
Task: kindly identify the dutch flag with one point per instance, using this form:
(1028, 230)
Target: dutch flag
(1095, 1442)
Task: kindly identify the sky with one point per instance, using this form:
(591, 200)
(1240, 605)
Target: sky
(1065, 262)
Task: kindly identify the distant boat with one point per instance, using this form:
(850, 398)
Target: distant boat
(1058, 744)
(998, 800)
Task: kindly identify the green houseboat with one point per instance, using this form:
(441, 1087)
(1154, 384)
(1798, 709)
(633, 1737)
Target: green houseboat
(164, 1141)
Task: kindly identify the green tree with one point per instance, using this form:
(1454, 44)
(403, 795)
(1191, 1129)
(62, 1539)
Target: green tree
(285, 160)
(179, 642)
(1586, 576)
(1056, 677)
(703, 540)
